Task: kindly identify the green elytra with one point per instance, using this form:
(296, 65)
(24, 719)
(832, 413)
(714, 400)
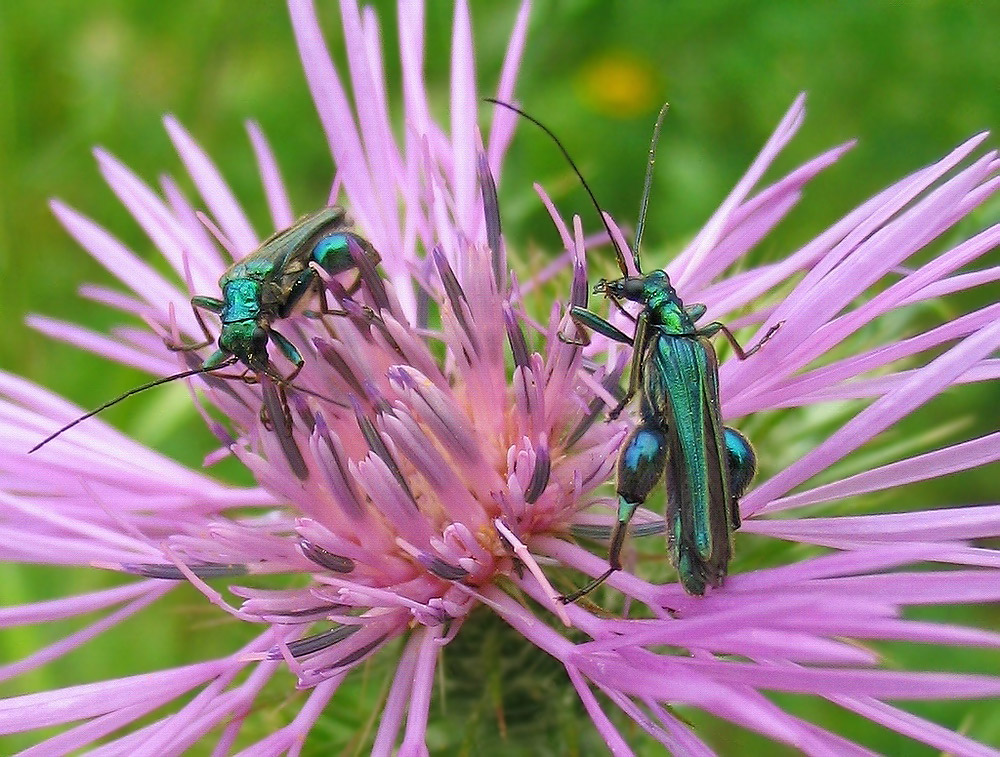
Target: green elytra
(680, 434)
(265, 286)
(708, 465)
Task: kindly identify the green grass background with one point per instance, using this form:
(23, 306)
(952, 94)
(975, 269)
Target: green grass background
(911, 80)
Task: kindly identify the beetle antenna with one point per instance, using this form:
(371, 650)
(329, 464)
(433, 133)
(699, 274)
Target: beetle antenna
(619, 254)
(129, 393)
(647, 186)
(277, 378)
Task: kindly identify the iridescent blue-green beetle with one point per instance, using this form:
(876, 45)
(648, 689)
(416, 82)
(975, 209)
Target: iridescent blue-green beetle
(675, 372)
(708, 465)
(266, 286)
(270, 283)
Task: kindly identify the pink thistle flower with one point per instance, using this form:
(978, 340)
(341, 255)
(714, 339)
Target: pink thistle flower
(417, 484)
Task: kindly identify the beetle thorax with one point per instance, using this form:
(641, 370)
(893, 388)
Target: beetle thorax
(242, 300)
(665, 307)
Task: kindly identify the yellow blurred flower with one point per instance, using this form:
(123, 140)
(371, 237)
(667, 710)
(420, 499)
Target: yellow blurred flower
(618, 84)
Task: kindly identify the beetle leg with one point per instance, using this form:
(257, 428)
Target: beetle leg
(288, 350)
(283, 397)
(695, 311)
(587, 321)
(265, 418)
(640, 466)
(716, 327)
(211, 304)
(324, 304)
(216, 360)
(616, 304)
(198, 302)
(296, 291)
(584, 338)
(355, 286)
(636, 369)
(265, 415)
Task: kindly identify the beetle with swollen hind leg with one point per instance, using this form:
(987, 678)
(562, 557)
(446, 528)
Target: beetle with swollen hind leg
(675, 372)
(269, 283)
(266, 286)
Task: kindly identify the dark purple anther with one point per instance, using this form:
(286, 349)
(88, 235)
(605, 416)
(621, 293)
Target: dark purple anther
(325, 557)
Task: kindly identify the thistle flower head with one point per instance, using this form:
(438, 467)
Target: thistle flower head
(439, 440)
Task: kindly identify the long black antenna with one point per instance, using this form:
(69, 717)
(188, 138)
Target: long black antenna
(129, 393)
(618, 250)
(647, 185)
(277, 378)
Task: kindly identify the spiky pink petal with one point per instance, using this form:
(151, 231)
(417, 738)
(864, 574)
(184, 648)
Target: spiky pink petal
(420, 472)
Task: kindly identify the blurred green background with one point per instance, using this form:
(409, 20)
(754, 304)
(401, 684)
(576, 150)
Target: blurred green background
(911, 80)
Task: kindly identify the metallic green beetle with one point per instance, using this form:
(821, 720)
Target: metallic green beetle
(675, 372)
(265, 286)
(269, 283)
(708, 465)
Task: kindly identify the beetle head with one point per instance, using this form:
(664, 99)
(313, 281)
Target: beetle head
(626, 288)
(247, 341)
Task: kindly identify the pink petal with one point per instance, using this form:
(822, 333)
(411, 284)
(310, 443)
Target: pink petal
(68, 607)
(73, 703)
(948, 523)
(616, 744)
(118, 259)
(170, 238)
(464, 111)
(502, 126)
(913, 726)
(100, 344)
(213, 188)
(367, 81)
(420, 694)
(685, 264)
(274, 186)
(337, 118)
(925, 383)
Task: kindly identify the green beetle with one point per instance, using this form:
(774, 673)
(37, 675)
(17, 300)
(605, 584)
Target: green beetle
(266, 286)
